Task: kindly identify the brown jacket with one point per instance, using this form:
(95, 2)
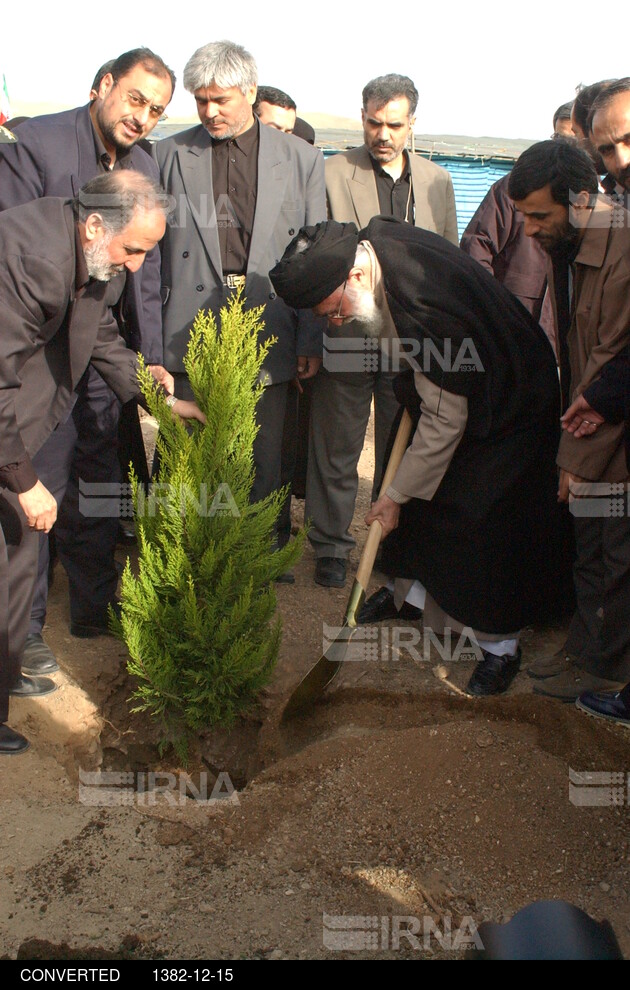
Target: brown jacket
(600, 329)
(353, 197)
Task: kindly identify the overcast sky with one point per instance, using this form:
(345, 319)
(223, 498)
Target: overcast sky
(494, 68)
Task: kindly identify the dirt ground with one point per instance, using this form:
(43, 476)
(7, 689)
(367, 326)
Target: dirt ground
(394, 798)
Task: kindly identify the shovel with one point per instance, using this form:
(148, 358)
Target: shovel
(315, 682)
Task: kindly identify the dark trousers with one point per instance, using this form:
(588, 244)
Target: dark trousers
(599, 633)
(18, 564)
(131, 449)
(270, 416)
(82, 451)
(270, 413)
(290, 440)
(340, 410)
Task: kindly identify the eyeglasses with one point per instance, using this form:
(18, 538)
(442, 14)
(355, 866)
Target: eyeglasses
(337, 315)
(139, 103)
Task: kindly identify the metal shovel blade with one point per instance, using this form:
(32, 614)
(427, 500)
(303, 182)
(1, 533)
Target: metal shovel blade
(315, 682)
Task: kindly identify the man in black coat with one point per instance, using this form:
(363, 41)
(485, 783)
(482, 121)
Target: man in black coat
(59, 258)
(471, 511)
(55, 156)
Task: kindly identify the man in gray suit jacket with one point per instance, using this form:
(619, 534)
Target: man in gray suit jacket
(242, 191)
(380, 177)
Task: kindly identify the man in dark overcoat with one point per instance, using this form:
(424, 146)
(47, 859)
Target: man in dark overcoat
(470, 514)
(59, 257)
(56, 155)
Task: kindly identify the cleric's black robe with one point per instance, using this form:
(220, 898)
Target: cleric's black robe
(485, 547)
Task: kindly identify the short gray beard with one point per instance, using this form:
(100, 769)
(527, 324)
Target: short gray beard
(233, 131)
(98, 262)
(391, 155)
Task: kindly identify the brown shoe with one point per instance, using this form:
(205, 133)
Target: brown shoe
(551, 666)
(569, 685)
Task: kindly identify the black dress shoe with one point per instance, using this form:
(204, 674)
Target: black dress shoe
(330, 572)
(606, 705)
(38, 658)
(11, 742)
(32, 687)
(493, 675)
(380, 606)
(96, 625)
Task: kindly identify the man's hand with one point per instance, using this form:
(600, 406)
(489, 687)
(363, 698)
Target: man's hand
(162, 376)
(39, 507)
(387, 512)
(188, 410)
(307, 367)
(580, 419)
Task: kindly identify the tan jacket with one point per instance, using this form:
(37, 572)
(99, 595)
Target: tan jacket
(600, 328)
(353, 197)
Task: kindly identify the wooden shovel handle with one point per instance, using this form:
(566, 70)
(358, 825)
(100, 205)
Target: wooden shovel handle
(366, 564)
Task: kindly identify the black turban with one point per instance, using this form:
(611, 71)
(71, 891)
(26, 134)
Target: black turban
(306, 276)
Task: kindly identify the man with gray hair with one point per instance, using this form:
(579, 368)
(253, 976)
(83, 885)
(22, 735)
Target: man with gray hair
(54, 295)
(242, 192)
(380, 177)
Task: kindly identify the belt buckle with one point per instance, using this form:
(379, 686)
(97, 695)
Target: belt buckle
(234, 281)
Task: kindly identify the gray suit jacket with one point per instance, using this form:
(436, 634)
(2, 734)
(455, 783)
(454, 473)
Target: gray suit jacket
(353, 197)
(290, 195)
(50, 333)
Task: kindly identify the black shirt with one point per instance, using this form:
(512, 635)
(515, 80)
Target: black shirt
(395, 197)
(235, 184)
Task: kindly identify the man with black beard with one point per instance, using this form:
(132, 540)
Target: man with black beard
(580, 113)
(554, 185)
(55, 156)
(469, 516)
(59, 258)
(609, 127)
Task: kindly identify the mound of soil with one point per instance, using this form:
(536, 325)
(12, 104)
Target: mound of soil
(394, 812)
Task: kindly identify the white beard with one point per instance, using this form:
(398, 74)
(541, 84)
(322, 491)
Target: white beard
(368, 315)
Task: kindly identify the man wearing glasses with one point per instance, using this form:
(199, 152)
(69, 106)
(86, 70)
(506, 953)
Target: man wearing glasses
(55, 155)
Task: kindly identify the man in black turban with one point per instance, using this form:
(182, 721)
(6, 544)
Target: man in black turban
(469, 519)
